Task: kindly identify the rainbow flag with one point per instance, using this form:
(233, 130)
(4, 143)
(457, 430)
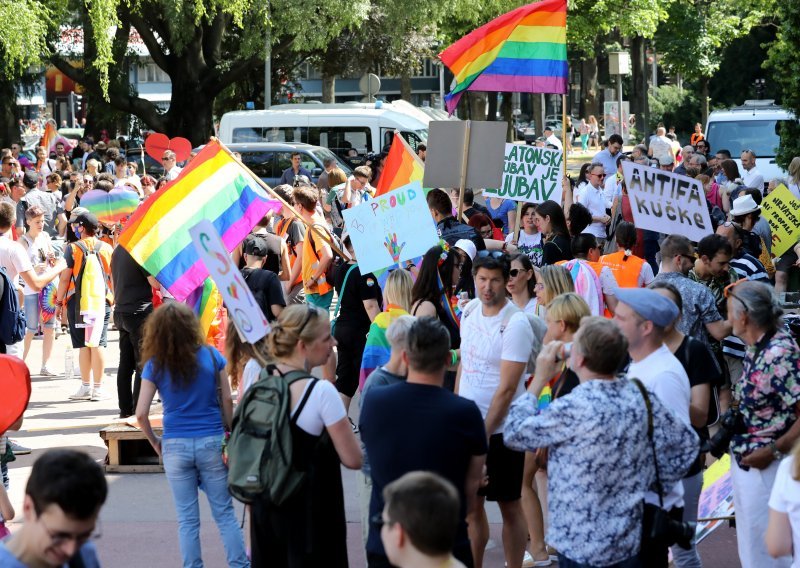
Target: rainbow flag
(523, 51)
(402, 166)
(377, 350)
(205, 300)
(213, 186)
(49, 137)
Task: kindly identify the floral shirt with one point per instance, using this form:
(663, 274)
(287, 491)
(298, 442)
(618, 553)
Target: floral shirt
(600, 464)
(768, 392)
(699, 307)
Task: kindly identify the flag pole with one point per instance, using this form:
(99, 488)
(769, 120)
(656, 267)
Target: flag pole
(463, 181)
(564, 129)
(311, 226)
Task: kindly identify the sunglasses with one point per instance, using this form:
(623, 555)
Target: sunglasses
(514, 272)
(601, 176)
(727, 292)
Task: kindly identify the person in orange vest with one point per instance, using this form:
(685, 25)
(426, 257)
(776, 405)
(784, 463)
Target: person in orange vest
(630, 270)
(697, 135)
(598, 285)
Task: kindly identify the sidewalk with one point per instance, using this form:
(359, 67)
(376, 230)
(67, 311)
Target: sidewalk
(138, 521)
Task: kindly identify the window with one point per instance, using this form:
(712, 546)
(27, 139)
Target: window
(262, 164)
(324, 153)
(267, 134)
(284, 161)
(149, 72)
(760, 136)
(429, 68)
(340, 139)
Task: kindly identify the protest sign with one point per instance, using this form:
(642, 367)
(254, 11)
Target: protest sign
(716, 499)
(530, 174)
(391, 229)
(464, 153)
(242, 307)
(666, 202)
(781, 209)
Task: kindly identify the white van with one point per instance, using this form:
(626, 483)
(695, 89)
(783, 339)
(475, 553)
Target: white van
(366, 127)
(753, 126)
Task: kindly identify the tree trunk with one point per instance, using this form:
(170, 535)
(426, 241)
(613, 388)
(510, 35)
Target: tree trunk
(8, 103)
(538, 113)
(704, 100)
(638, 95)
(491, 111)
(506, 111)
(405, 86)
(191, 119)
(590, 99)
(328, 88)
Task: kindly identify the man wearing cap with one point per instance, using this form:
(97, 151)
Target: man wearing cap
(296, 169)
(68, 299)
(666, 163)
(47, 200)
(264, 284)
(643, 316)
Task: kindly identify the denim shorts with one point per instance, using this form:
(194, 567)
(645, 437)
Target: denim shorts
(32, 316)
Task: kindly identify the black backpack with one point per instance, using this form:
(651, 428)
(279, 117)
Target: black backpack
(333, 267)
(12, 316)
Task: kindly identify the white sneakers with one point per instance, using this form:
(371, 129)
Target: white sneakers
(86, 392)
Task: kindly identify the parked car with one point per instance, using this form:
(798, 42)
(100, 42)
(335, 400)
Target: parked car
(151, 167)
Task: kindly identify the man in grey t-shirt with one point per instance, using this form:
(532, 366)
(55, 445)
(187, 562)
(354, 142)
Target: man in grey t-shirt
(47, 200)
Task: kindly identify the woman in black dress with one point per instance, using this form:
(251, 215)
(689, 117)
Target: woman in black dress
(308, 529)
(553, 225)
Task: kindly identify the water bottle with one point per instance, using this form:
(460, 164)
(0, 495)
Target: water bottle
(68, 368)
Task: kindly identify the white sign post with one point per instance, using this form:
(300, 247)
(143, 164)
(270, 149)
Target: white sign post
(392, 228)
(242, 307)
(666, 202)
(530, 174)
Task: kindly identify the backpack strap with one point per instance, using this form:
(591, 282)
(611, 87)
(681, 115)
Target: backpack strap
(339, 297)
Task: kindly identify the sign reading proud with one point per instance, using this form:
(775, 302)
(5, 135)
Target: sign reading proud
(666, 202)
(392, 228)
(530, 174)
(781, 209)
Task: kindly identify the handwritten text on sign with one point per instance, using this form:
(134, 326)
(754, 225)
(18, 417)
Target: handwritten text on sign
(242, 306)
(781, 209)
(666, 202)
(530, 174)
(391, 229)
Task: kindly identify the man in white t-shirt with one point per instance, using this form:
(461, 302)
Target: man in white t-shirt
(496, 343)
(642, 315)
(17, 264)
(751, 176)
(660, 146)
(592, 196)
(551, 138)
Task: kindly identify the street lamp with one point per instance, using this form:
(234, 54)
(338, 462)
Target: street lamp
(619, 64)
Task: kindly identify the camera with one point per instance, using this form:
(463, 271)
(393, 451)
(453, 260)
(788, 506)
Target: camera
(730, 423)
(659, 528)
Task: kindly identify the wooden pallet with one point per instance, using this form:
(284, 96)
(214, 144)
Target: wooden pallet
(129, 450)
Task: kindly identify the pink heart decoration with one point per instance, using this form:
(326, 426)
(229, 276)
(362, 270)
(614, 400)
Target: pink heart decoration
(157, 143)
(16, 390)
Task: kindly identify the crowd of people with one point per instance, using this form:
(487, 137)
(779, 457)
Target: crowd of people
(556, 359)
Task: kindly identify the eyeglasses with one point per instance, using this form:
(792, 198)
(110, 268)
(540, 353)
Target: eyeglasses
(514, 272)
(601, 176)
(689, 257)
(58, 538)
(486, 232)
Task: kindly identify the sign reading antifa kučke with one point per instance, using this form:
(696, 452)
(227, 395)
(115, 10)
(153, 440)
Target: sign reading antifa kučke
(666, 202)
(530, 174)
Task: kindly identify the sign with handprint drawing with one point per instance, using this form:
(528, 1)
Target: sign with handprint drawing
(392, 228)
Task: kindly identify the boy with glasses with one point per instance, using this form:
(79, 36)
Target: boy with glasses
(63, 498)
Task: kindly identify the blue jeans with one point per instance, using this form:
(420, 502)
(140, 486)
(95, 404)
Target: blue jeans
(197, 462)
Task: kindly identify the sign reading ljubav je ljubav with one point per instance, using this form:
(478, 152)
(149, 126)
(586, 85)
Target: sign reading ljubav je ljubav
(530, 174)
(666, 202)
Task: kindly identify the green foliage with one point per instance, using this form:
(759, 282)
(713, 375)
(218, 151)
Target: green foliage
(24, 26)
(784, 59)
(674, 107)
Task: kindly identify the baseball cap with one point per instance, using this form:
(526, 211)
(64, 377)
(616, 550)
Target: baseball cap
(255, 245)
(649, 304)
(75, 213)
(468, 247)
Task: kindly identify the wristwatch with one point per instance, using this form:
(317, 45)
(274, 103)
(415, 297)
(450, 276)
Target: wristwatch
(776, 453)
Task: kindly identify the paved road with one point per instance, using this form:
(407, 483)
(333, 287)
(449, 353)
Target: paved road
(138, 521)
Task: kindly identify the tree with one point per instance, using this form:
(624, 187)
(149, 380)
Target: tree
(784, 59)
(204, 47)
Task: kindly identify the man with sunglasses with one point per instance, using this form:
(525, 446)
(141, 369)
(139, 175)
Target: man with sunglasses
(16, 149)
(591, 195)
(63, 498)
(169, 161)
(700, 317)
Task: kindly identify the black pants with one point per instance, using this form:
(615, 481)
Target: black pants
(350, 350)
(657, 556)
(130, 339)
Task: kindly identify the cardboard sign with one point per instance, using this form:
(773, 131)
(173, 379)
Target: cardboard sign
(530, 174)
(666, 202)
(716, 498)
(390, 229)
(242, 307)
(447, 140)
(781, 209)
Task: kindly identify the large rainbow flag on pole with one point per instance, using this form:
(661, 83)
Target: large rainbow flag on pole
(402, 166)
(213, 186)
(523, 51)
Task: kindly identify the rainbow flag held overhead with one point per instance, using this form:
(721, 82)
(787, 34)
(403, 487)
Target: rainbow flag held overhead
(402, 166)
(49, 135)
(523, 51)
(213, 186)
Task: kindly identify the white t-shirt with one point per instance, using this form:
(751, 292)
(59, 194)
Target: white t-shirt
(13, 258)
(554, 141)
(785, 498)
(173, 172)
(753, 178)
(324, 408)
(594, 200)
(529, 245)
(37, 254)
(661, 147)
(249, 376)
(482, 349)
(664, 376)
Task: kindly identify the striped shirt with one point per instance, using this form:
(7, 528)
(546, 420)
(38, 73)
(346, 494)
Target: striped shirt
(750, 268)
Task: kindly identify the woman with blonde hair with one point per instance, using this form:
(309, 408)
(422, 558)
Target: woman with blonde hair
(794, 176)
(397, 299)
(564, 315)
(308, 529)
(188, 374)
(551, 281)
